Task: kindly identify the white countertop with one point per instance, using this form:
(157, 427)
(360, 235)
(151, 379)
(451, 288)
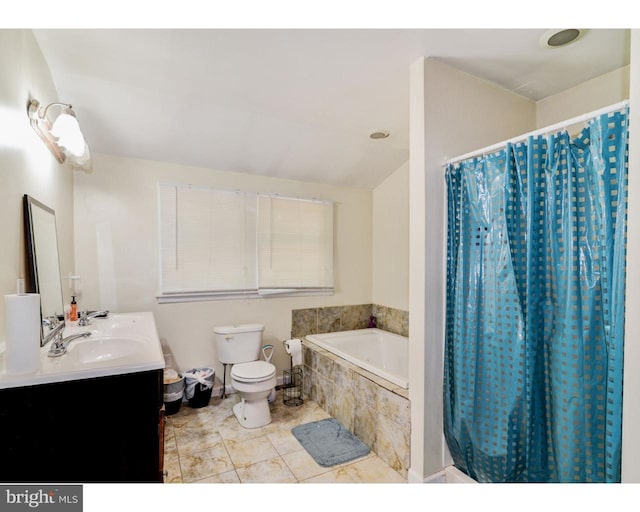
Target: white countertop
(119, 344)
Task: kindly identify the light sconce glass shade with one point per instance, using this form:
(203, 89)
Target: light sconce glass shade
(67, 130)
(64, 137)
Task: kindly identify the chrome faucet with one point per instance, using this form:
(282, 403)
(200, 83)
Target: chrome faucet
(51, 322)
(59, 344)
(85, 319)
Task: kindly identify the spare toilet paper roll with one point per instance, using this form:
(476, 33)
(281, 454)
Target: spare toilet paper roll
(22, 328)
(294, 348)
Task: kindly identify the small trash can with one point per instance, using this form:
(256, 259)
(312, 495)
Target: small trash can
(173, 391)
(198, 386)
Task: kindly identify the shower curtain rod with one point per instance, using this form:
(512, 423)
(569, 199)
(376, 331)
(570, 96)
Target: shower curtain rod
(541, 131)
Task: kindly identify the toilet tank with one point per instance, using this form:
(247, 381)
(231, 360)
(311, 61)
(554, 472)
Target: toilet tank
(238, 343)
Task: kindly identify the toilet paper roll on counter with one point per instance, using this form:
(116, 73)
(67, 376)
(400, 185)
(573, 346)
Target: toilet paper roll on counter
(22, 329)
(294, 349)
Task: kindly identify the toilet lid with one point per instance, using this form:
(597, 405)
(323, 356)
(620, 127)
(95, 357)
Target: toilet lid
(253, 371)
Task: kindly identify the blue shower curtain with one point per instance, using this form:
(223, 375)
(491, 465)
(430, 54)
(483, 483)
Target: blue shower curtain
(535, 308)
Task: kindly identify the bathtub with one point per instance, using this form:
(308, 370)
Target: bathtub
(382, 353)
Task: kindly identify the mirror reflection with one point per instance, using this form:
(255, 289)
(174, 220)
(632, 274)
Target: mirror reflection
(43, 265)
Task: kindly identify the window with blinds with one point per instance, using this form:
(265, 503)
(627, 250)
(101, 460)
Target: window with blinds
(295, 244)
(224, 244)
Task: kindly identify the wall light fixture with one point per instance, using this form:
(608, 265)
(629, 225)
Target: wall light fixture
(63, 136)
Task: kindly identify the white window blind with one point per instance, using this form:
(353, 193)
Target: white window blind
(231, 244)
(295, 244)
(207, 240)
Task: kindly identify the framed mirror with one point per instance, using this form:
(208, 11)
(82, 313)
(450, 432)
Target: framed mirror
(43, 265)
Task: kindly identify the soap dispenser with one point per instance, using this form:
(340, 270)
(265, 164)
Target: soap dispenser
(73, 314)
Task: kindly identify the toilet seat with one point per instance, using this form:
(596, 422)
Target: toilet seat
(255, 371)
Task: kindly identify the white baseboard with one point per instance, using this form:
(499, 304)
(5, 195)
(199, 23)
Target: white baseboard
(413, 477)
(437, 478)
(448, 475)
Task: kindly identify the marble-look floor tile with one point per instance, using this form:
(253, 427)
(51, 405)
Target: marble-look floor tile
(229, 477)
(198, 444)
(190, 418)
(303, 466)
(335, 476)
(170, 446)
(281, 413)
(223, 408)
(196, 439)
(247, 452)
(312, 412)
(197, 466)
(373, 470)
(230, 429)
(172, 469)
(272, 471)
(217, 410)
(285, 442)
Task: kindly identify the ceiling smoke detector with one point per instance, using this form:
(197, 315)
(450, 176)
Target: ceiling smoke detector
(381, 134)
(558, 38)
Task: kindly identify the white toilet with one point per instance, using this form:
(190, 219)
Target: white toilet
(239, 345)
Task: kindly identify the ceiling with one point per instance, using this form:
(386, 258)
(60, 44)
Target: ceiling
(295, 104)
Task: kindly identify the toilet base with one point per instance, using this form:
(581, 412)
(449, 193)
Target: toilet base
(252, 414)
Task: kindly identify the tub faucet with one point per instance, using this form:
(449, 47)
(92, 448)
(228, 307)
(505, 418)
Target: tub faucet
(85, 319)
(59, 344)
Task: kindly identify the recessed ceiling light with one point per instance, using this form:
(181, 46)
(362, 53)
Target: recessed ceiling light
(382, 134)
(557, 38)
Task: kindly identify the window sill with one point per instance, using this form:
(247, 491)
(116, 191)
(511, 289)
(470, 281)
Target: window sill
(168, 298)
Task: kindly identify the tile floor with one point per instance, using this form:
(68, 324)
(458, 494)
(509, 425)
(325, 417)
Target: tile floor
(208, 445)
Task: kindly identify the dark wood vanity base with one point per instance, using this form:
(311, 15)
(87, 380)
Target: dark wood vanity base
(105, 429)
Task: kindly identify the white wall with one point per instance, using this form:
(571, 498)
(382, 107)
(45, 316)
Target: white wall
(599, 92)
(631, 395)
(451, 113)
(116, 235)
(26, 165)
(390, 241)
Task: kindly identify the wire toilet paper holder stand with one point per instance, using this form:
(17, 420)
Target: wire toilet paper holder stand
(292, 383)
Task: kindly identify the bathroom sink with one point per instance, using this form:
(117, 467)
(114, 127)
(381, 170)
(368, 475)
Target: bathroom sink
(94, 350)
(119, 344)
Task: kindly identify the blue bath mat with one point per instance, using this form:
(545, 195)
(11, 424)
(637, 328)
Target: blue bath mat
(329, 442)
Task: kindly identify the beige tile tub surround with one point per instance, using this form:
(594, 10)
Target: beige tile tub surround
(391, 319)
(374, 409)
(347, 318)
